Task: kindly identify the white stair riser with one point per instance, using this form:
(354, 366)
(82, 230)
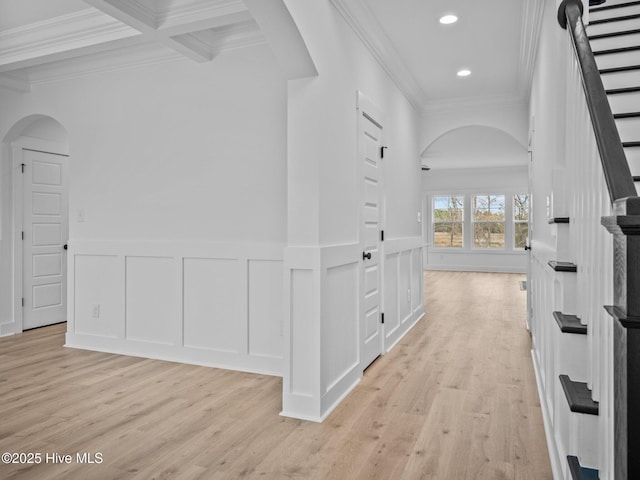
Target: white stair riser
(632, 24)
(629, 129)
(625, 102)
(618, 59)
(633, 157)
(617, 12)
(621, 79)
(615, 42)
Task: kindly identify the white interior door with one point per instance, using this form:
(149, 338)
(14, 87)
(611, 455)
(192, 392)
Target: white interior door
(370, 158)
(45, 226)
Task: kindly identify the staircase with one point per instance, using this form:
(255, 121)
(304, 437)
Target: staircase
(588, 361)
(614, 34)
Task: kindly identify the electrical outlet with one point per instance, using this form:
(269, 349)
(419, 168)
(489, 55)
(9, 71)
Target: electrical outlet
(409, 296)
(80, 216)
(419, 217)
(95, 313)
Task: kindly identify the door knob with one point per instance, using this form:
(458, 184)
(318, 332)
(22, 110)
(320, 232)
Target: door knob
(65, 246)
(366, 255)
(527, 247)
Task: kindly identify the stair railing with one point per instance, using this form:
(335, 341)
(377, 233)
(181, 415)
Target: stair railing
(615, 348)
(614, 162)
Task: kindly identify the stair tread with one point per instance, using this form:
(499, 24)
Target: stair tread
(609, 51)
(613, 34)
(578, 396)
(626, 115)
(615, 19)
(626, 68)
(578, 472)
(618, 91)
(563, 266)
(625, 321)
(612, 7)
(570, 323)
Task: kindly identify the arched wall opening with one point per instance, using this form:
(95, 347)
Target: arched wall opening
(474, 146)
(33, 175)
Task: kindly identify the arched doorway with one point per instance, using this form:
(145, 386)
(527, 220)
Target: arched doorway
(36, 152)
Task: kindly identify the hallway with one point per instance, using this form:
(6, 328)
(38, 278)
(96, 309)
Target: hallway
(456, 399)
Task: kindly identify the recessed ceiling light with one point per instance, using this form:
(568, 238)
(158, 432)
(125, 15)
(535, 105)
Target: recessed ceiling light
(464, 73)
(448, 19)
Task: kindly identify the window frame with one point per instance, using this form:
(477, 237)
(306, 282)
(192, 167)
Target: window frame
(473, 222)
(461, 222)
(515, 222)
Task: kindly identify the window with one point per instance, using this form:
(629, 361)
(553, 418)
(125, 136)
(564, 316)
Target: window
(488, 221)
(447, 221)
(520, 220)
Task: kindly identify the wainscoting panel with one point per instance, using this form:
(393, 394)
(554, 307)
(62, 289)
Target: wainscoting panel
(205, 303)
(391, 316)
(266, 312)
(303, 333)
(151, 300)
(99, 303)
(212, 305)
(403, 288)
(340, 324)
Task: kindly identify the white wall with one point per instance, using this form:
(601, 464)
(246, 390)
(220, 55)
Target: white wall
(191, 179)
(505, 180)
(325, 248)
(509, 118)
(177, 207)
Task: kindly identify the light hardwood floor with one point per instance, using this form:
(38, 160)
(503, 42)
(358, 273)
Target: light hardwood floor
(455, 399)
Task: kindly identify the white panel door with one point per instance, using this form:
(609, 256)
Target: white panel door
(45, 225)
(370, 148)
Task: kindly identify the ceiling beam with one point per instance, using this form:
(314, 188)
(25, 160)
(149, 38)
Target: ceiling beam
(136, 16)
(80, 33)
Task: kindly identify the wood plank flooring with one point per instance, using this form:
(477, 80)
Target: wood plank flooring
(455, 399)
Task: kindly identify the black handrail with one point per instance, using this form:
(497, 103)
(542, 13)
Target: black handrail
(614, 162)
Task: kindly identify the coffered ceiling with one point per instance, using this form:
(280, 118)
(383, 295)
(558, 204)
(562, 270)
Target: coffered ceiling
(495, 39)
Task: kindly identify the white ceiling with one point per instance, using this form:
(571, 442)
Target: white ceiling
(486, 39)
(493, 38)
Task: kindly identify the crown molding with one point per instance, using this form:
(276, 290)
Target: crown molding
(113, 60)
(15, 82)
(370, 32)
(202, 14)
(532, 13)
(58, 38)
(136, 56)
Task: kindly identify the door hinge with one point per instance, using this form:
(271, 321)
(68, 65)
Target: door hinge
(22, 235)
(382, 151)
(22, 167)
(382, 235)
(23, 301)
(382, 317)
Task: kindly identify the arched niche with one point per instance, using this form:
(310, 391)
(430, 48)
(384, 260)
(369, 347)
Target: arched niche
(474, 146)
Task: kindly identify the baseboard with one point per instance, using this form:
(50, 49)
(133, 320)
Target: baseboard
(474, 268)
(407, 330)
(554, 458)
(173, 353)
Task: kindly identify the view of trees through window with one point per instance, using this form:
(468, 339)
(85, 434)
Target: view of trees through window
(448, 219)
(520, 220)
(488, 221)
